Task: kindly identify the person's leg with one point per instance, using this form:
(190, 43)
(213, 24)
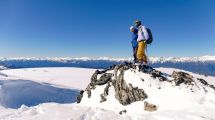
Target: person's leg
(144, 53)
(140, 51)
(135, 54)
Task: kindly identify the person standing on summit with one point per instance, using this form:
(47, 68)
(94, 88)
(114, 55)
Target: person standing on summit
(134, 42)
(142, 38)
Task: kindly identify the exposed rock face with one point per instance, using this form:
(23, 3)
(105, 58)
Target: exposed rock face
(104, 79)
(206, 83)
(212, 86)
(149, 107)
(125, 93)
(203, 81)
(106, 90)
(80, 96)
(101, 81)
(154, 73)
(182, 77)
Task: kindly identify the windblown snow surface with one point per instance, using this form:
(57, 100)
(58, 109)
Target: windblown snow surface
(49, 94)
(2, 67)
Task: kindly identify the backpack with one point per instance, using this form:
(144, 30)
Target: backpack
(150, 39)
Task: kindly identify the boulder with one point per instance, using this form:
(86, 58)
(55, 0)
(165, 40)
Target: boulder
(102, 98)
(182, 77)
(149, 107)
(123, 111)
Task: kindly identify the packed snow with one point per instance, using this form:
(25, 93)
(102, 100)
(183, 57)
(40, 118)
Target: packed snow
(66, 77)
(61, 85)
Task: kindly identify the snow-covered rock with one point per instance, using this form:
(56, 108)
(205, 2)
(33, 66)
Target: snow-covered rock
(131, 90)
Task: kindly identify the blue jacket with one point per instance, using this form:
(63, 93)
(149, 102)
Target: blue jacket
(134, 38)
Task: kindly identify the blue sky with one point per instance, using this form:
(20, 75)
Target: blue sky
(94, 28)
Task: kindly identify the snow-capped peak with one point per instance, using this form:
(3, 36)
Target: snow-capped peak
(153, 59)
(182, 59)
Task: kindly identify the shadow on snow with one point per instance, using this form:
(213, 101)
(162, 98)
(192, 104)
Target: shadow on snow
(14, 93)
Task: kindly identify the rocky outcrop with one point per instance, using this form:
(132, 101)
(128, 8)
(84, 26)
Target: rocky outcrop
(182, 77)
(111, 83)
(204, 82)
(104, 79)
(154, 73)
(80, 96)
(124, 93)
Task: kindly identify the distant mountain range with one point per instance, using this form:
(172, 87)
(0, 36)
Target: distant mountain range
(202, 65)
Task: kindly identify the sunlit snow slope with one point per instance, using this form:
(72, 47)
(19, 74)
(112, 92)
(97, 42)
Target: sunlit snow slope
(55, 90)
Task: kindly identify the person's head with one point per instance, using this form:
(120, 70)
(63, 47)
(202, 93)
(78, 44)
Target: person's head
(132, 29)
(137, 23)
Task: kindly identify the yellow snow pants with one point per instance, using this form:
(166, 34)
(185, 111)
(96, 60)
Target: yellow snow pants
(141, 55)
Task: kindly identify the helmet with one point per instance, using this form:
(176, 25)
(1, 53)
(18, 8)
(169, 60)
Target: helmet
(137, 23)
